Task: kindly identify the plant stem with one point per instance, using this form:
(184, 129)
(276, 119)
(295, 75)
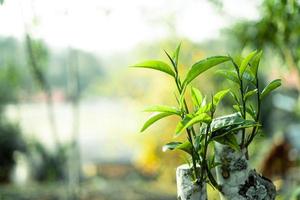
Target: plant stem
(243, 101)
(255, 129)
(190, 138)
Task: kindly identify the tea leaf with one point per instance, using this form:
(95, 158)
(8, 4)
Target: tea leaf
(153, 118)
(250, 110)
(255, 63)
(156, 65)
(202, 66)
(236, 99)
(164, 109)
(185, 123)
(245, 62)
(170, 146)
(171, 59)
(249, 77)
(186, 146)
(176, 54)
(196, 96)
(213, 180)
(269, 88)
(205, 108)
(219, 96)
(249, 94)
(229, 140)
(230, 75)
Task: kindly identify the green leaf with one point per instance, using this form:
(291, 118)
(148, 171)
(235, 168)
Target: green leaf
(153, 118)
(229, 140)
(249, 94)
(250, 110)
(237, 108)
(156, 65)
(224, 125)
(1, 2)
(236, 99)
(219, 96)
(164, 109)
(245, 62)
(269, 88)
(204, 108)
(176, 54)
(170, 146)
(230, 75)
(213, 180)
(202, 66)
(196, 96)
(249, 77)
(171, 59)
(187, 122)
(255, 63)
(186, 146)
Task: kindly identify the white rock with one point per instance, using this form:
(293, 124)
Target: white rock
(187, 189)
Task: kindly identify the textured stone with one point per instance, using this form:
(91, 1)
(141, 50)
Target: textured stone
(187, 188)
(238, 181)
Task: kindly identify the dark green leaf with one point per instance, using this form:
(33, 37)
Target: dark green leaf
(230, 75)
(269, 88)
(164, 109)
(156, 65)
(196, 96)
(153, 118)
(202, 66)
(245, 62)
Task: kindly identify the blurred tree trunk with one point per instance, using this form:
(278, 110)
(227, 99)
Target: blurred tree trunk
(40, 79)
(74, 95)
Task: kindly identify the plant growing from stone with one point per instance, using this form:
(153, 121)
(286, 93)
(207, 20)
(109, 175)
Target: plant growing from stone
(234, 175)
(202, 127)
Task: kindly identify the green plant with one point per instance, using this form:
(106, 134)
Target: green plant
(198, 120)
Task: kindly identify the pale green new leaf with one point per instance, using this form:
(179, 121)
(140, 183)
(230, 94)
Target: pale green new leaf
(170, 146)
(255, 63)
(202, 66)
(186, 146)
(245, 62)
(164, 109)
(269, 88)
(156, 65)
(229, 140)
(203, 117)
(153, 118)
(196, 96)
(219, 96)
(249, 94)
(176, 54)
(230, 75)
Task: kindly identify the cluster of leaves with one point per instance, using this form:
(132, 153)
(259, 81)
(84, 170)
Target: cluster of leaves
(198, 120)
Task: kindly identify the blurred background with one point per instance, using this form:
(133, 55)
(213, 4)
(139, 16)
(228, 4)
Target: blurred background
(71, 109)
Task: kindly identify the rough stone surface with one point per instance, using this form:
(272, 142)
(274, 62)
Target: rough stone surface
(238, 181)
(187, 189)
